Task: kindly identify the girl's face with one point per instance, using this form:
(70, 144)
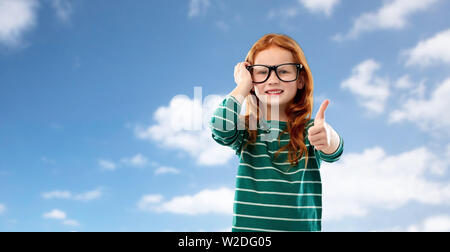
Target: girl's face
(275, 55)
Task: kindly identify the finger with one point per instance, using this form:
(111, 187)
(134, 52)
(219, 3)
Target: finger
(319, 144)
(321, 113)
(314, 130)
(315, 138)
(320, 147)
(239, 69)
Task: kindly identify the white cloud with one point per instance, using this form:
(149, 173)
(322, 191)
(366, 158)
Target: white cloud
(197, 7)
(183, 125)
(57, 195)
(320, 6)
(219, 201)
(325, 7)
(222, 25)
(138, 160)
(16, 17)
(430, 51)
(86, 196)
(2, 208)
(63, 9)
(57, 214)
(106, 165)
(362, 182)
(283, 12)
(404, 82)
(166, 170)
(429, 114)
(408, 89)
(437, 223)
(371, 91)
(393, 15)
(146, 200)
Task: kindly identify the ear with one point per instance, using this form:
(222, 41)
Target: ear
(301, 82)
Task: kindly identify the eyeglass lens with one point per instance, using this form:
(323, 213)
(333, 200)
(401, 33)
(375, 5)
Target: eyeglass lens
(285, 73)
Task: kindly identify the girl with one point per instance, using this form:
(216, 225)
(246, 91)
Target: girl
(278, 185)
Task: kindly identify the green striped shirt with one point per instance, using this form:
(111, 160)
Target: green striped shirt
(270, 194)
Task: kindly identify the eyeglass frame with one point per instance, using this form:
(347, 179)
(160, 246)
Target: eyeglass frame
(274, 68)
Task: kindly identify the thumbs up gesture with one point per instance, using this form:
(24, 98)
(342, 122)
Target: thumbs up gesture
(321, 135)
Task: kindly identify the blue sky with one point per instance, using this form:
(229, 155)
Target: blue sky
(90, 92)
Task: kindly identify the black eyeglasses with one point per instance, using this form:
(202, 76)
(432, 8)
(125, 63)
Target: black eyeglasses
(286, 72)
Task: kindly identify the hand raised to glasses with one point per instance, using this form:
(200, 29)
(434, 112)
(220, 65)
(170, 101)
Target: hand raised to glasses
(242, 76)
(243, 80)
(321, 135)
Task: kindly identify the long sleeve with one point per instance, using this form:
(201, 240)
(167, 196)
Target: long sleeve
(333, 157)
(224, 124)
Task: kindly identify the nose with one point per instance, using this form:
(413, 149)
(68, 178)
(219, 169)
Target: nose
(273, 78)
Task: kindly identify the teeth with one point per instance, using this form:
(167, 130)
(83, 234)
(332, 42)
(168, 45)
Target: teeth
(274, 92)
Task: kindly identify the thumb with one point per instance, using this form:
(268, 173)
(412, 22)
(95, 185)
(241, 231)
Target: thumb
(321, 113)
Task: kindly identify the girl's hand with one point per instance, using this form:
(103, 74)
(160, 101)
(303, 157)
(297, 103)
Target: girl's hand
(320, 135)
(242, 76)
(243, 80)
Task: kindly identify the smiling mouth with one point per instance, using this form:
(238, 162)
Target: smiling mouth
(274, 92)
